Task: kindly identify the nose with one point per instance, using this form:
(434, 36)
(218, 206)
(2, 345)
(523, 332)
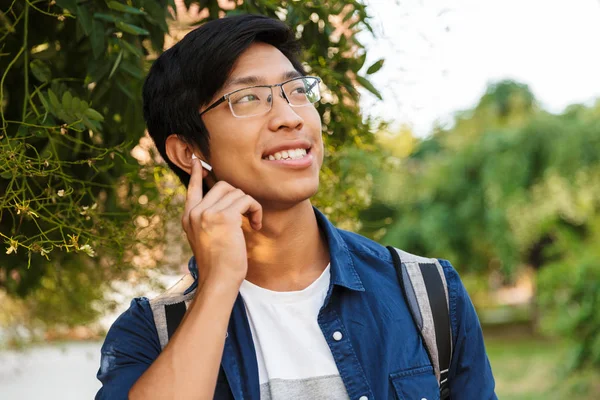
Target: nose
(283, 115)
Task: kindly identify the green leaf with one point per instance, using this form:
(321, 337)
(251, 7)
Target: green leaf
(132, 70)
(116, 64)
(375, 67)
(157, 13)
(63, 115)
(115, 5)
(75, 104)
(67, 100)
(84, 18)
(40, 70)
(360, 62)
(54, 100)
(106, 17)
(129, 28)
(91, 125)
(369, 86)
(348, 15)
(97, 38)
(131, 48)
(44, 101)
(93, 115)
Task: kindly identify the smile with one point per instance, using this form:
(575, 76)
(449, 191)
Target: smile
(291, 154)
(294, 159)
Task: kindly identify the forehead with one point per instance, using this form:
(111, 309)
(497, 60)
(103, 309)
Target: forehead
(262, 61)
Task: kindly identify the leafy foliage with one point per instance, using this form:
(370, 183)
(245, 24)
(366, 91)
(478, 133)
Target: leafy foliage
(508, 185)
(70, 113)
(85, 200)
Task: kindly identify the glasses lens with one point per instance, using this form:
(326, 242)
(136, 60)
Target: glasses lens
(251, 101)
(302, 91)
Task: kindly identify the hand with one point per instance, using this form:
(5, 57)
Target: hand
(213, 225)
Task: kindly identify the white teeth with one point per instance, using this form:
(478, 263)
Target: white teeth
(287, 154)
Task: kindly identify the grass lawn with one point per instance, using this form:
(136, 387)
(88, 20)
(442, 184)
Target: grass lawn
(528, 368)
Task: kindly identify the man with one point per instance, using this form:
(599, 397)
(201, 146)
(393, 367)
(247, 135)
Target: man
(279, 304)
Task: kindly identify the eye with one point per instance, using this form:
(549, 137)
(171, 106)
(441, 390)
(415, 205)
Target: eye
(247, 98)
(299, 90)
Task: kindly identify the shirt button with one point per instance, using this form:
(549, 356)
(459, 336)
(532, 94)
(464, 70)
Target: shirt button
(337, 336)
(363, 398)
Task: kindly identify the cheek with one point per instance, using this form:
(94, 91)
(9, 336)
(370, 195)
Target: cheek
(231, 138)
(313, 122)
(232, 149)
(313, 119)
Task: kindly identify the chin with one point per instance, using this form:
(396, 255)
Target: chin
(286, 196)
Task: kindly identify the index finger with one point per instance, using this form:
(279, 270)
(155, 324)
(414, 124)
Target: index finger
(194, 190)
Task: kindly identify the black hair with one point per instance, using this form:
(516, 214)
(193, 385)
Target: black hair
(189, 74)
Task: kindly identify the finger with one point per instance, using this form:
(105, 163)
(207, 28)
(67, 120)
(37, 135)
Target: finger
(215, 194)
(248, 206)
(194, 190)
(228, 199)
(212, 197)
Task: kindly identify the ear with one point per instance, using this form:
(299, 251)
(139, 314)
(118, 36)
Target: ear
(180, 152)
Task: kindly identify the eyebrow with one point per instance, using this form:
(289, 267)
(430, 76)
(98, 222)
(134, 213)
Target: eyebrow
(253, 80)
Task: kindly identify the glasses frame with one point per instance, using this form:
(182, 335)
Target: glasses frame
(227, 96)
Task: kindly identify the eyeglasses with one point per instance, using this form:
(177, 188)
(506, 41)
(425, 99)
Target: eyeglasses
(258, 100)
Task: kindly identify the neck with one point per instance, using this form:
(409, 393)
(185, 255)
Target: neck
(289, 252)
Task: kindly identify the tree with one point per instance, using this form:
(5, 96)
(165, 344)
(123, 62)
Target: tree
(83, 194)
(508, 185)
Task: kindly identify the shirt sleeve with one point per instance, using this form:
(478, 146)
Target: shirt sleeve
(130, 347)
(470, 375)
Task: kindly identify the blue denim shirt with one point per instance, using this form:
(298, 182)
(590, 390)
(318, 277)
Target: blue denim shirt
(380, 355)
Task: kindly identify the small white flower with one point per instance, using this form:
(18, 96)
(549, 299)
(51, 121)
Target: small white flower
(44, 252)
(13, 246)
(61, 193)
(87, 249)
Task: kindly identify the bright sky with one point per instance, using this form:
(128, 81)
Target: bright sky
(440, 55)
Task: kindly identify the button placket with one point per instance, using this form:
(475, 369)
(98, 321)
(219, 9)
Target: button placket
(342, 350)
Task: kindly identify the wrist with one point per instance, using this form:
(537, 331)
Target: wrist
(221, 282)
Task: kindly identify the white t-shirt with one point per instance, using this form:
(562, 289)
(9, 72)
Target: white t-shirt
(294, 360)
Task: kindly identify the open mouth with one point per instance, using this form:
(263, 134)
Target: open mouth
(291, 154)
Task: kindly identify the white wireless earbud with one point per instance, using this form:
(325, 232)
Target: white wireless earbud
(205, 165)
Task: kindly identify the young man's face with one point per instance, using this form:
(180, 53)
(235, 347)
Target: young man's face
(240, 146)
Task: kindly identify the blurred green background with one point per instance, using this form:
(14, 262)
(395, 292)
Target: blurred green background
(89, 214)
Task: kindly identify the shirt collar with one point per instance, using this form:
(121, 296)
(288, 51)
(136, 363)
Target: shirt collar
(343, 272)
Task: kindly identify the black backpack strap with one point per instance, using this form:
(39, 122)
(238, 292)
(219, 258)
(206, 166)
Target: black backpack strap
(169, 308)
(174, 314)
(424, 287)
